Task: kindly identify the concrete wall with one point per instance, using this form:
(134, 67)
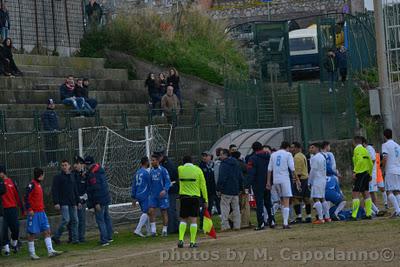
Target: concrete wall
(53, 24)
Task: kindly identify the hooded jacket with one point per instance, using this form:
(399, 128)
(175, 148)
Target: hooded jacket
(257, 167)
(97, 189)
(50, 120)
(230, 180)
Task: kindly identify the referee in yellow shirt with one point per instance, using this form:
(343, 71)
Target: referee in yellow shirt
(192, 185)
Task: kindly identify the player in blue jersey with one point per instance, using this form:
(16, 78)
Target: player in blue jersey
(140, 194)
(159, 186)
(334, 195)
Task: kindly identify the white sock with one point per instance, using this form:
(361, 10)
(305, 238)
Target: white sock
(142, 222)
(318, 208)
(291, 213)
(394, 202)
(153, 227)
(326, 207)
(49, 245)
(31, 247)
(285, 213)
(374, 208)
(398, 199)
(7, 248)
(265, 215)
(385, 198)
(148, 227)
(14, 243)
(164, 228)
(340, 207)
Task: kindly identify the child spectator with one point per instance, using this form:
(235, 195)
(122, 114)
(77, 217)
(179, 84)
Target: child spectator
(153, 91)
(4, 21)
(7, 59)
(37, 221)
(174, 81)
(51, 125)
(67, 94)
(170, 105)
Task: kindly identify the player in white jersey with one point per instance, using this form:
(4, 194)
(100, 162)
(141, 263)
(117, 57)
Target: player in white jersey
(391, 165)
(317, 181)
(280, 164)
(330, 159)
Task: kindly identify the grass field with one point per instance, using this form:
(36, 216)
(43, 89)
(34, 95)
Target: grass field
(363, 243)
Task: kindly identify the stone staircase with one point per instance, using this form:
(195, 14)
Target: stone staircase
(122, 102)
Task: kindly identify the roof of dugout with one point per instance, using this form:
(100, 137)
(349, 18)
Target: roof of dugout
(244, 139)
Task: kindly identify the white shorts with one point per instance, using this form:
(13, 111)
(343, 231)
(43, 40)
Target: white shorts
(318, 190)
(373, 187)
(381, 184)
(283, 189)
(274, 195)
(392, 182)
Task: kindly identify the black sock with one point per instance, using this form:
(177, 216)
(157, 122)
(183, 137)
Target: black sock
(308, 209)
(297, 209)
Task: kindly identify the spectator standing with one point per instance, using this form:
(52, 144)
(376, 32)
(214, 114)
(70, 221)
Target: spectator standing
(79, 174)
(217, 164)
(7, 58)
(341, 56)
(230, 184)
(11, 202)
(174, 81)
(173, 220)
(94, 13)
(99, 199)
(207, 166)
(331, 67)
(162, 84)
(92, 102)
(170, 105)
(4, 21)
(51, 126)
(66, 200)
(153, 90)
(67, 94)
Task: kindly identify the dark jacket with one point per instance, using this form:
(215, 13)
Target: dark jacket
(50, 120)
(81, 92)
(94, 12)
(230, 180)
(330, 64)
(2, 192)
(208, 171)
(64, 190)
(66, 92)
(97, 187)
(341, 59)
(81, 184)
(173, 175)
(152, 88)
(4, 19)
(162, 87)
(243, 168)
(174, 81)
(257, 168)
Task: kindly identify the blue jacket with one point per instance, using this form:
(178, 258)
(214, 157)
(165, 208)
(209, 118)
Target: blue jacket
(50, 120)
(230, 181)
(141, 184)
(208, 171)
(97, 189)
(65, 92)
(332, 184)
(257, 168)
(159, 181)
(173, 175)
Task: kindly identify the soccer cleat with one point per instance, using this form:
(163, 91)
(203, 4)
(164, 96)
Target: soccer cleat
(335, 217)
(193, 245)
(259, 228)
(164, 234)
(318, 222)
(299, 220)
(328, 220)
(153, 234)
(15, 249)
(286, 227)
(105, 244)
(381, 213)
(368, 218)
(395, 215)
(352, 219)
(7, 253)
(386, 206)
(180, 244)
(308, 220)
(138, 233)
(55, 253)
(34, 257)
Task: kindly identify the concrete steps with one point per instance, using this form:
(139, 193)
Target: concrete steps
(78, 63)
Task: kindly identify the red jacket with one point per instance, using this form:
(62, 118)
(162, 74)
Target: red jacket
(11, 198)
(34, 197)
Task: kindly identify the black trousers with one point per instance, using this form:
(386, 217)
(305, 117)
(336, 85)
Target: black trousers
(10, 222)
(263, 199)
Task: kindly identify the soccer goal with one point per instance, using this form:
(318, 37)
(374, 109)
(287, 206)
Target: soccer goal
(120, 154)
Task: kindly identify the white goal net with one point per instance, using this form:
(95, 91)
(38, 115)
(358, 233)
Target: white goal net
(120, 154)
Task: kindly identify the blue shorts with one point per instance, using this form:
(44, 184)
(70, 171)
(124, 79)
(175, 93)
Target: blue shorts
(333, 197)
(156, 202)
(144, 205)
(37, 223)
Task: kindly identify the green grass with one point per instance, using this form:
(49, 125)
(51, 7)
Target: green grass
(197, 45)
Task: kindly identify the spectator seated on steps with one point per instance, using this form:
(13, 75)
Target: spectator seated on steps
(81, 92)
(170, 105)
(92, 102)
(8, 66)
(67, 95)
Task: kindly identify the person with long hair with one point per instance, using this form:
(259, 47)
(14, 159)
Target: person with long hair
(162, 84)
(7, 59)
(174, 81)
